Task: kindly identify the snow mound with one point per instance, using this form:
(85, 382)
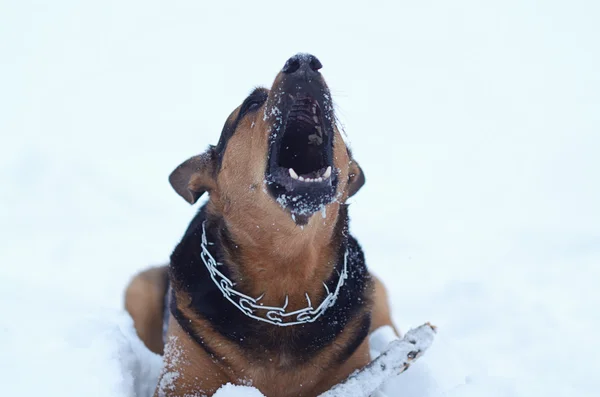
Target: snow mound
(54, 345)
(230, 390)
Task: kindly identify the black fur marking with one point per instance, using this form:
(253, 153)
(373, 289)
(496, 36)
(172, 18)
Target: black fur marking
(259, 339)
(186, 325)
(361, 332)
(256, 97)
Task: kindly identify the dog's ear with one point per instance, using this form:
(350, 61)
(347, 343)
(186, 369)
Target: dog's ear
(195, 176)
(356, 178)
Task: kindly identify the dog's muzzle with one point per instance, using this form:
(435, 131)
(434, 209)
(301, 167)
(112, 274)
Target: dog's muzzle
(300, 171)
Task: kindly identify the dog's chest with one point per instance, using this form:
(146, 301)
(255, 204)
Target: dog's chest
(279, 378)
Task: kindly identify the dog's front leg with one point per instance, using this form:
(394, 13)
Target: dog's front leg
(188, 370)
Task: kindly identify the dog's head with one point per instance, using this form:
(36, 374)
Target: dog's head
(280, 150)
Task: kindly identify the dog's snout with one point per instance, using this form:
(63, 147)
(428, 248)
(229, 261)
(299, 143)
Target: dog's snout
(302, 63)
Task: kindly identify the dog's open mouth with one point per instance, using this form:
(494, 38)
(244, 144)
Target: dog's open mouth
(303, 149)
(300, 171)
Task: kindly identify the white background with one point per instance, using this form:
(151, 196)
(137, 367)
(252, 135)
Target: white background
(477, 125)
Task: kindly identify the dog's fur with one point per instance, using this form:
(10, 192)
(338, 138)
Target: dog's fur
(268, 248)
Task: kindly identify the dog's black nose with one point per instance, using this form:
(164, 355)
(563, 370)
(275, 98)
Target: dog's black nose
(302, 63)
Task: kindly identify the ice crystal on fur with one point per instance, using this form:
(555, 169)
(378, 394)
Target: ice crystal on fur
(173, 358)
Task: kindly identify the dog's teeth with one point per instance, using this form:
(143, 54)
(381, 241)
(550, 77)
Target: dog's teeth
(315, 119)
(319, 179)
(293, 173)
(301, 178)
(327, 173)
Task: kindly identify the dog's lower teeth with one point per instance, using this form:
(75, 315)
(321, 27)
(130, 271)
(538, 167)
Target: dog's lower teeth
(327, 173)
(293, 173)
(301, 178)
(319, 179)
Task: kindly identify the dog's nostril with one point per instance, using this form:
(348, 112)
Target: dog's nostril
(291, 65)
(315, 64)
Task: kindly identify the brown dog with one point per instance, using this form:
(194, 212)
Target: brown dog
(267, 287)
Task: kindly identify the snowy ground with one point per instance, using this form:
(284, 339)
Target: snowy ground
(477, 127)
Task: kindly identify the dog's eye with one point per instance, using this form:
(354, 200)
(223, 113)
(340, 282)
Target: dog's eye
(253, 106)
(250, 106)
(253, 102)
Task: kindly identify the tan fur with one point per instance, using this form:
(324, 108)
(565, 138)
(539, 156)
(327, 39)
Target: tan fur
(144, 300)
(381, 314)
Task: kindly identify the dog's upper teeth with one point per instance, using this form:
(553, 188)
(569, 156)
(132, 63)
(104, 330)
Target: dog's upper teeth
(307, 179)
(327, 173)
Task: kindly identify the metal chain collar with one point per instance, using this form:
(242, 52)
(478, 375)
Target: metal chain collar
(251, 306)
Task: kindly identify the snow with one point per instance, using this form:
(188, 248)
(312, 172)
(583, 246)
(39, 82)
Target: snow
(230, 390)
(176, 357)
(476, 125)
(64, 346)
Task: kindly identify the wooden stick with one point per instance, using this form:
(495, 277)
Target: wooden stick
(397, 358)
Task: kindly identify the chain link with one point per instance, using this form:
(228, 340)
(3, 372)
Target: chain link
(252, 307)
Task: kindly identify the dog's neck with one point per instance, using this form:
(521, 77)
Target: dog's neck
(278, 258)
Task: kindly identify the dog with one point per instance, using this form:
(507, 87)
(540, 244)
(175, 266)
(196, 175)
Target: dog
(267, 287)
